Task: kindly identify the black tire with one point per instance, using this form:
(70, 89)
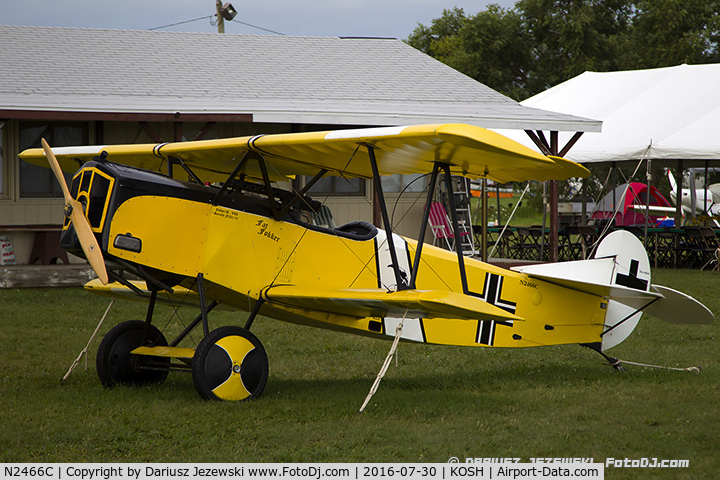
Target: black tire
(116, 365)
(230, 364)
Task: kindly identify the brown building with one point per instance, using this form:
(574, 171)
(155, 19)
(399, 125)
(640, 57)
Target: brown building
(87, 86)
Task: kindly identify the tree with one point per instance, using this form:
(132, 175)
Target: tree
(490, 47)
(539, 43)
(495, 50)
(433, 40)
(570, 37)
(672, 32)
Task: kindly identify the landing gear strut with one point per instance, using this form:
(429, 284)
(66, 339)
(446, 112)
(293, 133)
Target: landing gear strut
(116, 365)
(229, 363)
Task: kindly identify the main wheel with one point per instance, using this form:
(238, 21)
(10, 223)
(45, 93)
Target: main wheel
(230, 364)
(116, 365)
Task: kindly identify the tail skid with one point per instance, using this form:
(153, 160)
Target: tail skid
(620, 272)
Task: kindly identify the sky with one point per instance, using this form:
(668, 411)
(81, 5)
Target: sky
(343, 18)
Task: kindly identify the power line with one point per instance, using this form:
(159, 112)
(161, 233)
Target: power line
(181, 23)
(211, 16)
(259, 28)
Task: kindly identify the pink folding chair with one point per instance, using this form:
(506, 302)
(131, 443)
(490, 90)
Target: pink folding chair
(440, 226)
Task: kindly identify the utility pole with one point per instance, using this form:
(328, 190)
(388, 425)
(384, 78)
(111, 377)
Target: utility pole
(224, 12)
(220, 19)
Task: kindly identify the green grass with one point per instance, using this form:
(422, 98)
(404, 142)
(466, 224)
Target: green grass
(525, 215)
(437, 403)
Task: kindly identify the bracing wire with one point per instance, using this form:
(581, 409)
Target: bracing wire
(297, 244)
(607, 227)
(517, 204)
(176, 308)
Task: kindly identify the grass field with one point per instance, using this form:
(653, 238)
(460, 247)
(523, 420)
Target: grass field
(437, 403)
(525, 215)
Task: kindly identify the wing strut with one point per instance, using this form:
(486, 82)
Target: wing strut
(456, 228)
(268, 188)
(232, 176)
(377, 181)
(178, 161)
(286, 200)
(455, 225)
(424, 224)
(437, 166)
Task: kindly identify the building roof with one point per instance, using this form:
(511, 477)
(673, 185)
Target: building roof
(276, 79)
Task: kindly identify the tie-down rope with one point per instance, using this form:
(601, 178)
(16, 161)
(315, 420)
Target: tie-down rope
(386, 364)
(85, 350)
(618, 363)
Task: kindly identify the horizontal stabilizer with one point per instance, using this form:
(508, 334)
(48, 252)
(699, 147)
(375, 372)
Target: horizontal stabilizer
(593, 276)
(620, 272)
(677, 307)
(381, 303)
(669, 305)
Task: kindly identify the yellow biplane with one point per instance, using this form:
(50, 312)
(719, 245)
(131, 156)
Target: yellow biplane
(233, 238)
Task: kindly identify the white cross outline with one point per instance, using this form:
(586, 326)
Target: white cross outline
(492, 293)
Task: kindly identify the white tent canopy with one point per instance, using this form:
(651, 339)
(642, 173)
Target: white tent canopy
(659, 114)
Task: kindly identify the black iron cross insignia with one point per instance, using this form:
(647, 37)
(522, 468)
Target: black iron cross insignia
(492, 294)
(631, 280)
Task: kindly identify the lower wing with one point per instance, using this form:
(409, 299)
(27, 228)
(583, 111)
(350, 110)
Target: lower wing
(349, 302)
(381, 303)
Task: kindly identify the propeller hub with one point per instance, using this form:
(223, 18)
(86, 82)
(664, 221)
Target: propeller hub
(68, 209)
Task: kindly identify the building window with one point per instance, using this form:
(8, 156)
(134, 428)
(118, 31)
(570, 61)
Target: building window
(414, 183)
(39, 182)
(2, 157)
(338, 187)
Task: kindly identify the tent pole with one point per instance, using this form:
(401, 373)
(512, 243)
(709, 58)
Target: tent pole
(693, 196)
(614, 186)
(544, 220)
(583, 218)
(708, 214)
(648, 177)
(678, 195)
(553, 239)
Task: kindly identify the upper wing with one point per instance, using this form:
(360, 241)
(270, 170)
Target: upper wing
(471, 151)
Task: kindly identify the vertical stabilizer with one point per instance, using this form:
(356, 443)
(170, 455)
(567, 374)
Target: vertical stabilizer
(632, 270)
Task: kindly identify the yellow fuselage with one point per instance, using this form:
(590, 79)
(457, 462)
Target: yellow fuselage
(241, 254)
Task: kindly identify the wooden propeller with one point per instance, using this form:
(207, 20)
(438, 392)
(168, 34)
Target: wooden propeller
(80, 222)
